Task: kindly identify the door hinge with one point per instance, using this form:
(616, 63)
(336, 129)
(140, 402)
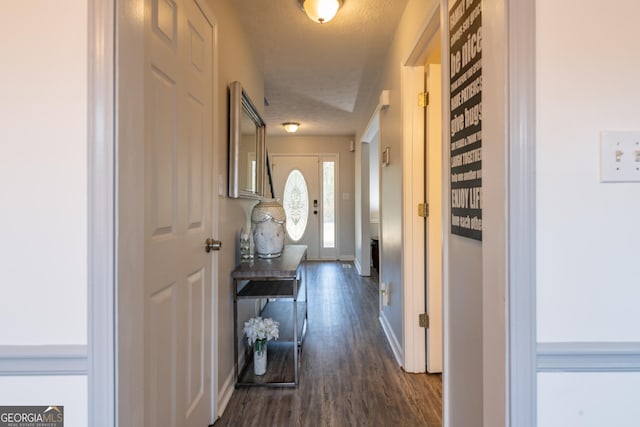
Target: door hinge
(423, 320)
(423, 99)
(423, 210)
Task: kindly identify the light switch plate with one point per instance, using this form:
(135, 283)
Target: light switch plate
(620, 156)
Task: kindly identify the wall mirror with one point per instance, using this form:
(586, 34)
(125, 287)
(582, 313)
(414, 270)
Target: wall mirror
(247, 152)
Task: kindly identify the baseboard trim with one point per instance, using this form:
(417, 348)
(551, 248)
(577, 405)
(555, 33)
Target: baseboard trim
(225, 393)
(396, 348)
(588, 357)
(361, 270)
(356, 264)
(43, 360)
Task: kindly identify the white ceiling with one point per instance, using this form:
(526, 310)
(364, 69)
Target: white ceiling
(322, 76)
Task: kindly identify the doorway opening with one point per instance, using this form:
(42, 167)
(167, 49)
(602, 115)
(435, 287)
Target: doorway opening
(368, 262)
(423, 165)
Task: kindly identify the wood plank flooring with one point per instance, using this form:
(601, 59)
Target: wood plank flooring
(348, 375)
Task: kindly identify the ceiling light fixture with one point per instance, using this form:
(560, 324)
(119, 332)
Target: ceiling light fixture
(320, 11)
(291, 127)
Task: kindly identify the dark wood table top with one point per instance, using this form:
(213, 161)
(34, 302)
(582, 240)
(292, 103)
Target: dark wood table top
(285, 266)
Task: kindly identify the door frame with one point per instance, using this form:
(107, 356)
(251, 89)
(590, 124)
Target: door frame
(101, 292)
(108, 277)
(412, 83)
(363, 219)
(115, 223)
(521, 335)
(434, 188)
(413, 226)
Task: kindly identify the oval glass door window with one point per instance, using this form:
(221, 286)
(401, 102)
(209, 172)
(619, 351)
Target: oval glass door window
(296, 204)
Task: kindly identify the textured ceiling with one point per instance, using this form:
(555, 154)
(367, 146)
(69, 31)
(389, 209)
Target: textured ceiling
(322, 76)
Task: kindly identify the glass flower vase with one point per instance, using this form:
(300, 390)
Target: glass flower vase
(245, 247)
(260, 357)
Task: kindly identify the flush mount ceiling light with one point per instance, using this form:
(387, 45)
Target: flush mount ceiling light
(320, 11)
(291, 127)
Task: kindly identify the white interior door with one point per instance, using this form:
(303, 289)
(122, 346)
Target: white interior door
(177, 216)
(303, 211)
(433, 186)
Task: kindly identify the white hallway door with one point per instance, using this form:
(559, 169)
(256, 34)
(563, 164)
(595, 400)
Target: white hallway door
(178, 176)
(433, 186)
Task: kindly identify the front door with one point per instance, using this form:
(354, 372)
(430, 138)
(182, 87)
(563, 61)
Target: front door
(177, 216)
(296, 185)
(307, 186)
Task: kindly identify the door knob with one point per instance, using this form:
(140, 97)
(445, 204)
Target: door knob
(212, 245)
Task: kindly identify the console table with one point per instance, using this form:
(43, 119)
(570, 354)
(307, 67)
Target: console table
(282, 281)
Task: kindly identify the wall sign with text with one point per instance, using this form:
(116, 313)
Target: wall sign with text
(465, 80)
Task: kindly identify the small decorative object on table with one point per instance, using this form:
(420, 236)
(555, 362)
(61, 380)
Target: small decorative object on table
(258, 332)
(268, 219)
(245, 247)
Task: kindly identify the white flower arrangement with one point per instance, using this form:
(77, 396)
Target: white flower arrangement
(261, 330)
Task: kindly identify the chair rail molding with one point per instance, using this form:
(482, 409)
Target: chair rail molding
(588, 357)
(43, 360)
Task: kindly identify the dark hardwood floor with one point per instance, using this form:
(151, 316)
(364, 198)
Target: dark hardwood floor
(348, 375)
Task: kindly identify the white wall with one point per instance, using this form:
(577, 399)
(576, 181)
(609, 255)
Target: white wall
(463, 312)
(587, 235)
(374, 182)
(587, 231)
(43, 183)
(43, 177)
(49, 390)
(588, 400)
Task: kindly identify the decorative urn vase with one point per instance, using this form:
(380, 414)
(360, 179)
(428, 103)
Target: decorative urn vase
(268, 219)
